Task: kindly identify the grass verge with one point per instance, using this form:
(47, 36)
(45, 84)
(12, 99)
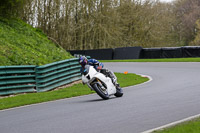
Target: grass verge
(157, 60)
(75, 90)
(21, 44)
(185, 127)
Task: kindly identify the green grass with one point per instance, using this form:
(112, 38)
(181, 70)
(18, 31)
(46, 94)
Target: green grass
(186, 127)
(75, 90)
(21, 44)
(158, 60)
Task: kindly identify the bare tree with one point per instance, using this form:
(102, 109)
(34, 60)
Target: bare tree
(93, 24)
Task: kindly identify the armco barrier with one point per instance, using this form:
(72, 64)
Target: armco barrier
(127, 53)
(141, 53)
(23, 79)
(110, 54)
(56, 74)
(17, 79)
(151, 53)
(100, 54)
(171, 52)
(191, 51)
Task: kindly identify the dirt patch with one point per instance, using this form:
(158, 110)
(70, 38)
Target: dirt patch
(68, 85)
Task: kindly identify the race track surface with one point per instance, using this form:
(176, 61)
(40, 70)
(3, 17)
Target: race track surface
(173, 94)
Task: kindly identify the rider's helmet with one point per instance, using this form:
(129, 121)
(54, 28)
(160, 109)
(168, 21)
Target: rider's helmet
(83, 60)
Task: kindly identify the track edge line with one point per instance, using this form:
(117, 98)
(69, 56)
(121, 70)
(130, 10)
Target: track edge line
(172, 124)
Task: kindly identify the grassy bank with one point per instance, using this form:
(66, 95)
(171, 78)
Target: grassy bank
(158, 60)
(186, 127)
(75, 90)
(21, 44)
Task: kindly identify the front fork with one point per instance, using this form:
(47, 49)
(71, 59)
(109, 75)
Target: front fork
(96, 81)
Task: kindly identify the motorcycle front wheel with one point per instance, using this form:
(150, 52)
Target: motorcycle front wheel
(100, 91)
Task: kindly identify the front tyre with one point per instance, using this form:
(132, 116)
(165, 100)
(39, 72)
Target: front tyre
(101, 92)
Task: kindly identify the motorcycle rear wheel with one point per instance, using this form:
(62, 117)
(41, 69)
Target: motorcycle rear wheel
(103, 94)
(119, 92)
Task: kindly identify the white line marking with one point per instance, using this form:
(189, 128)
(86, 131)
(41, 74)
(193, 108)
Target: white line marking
(172, 124)
(149, 77)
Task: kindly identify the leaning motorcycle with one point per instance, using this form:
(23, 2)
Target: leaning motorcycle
(100, 83)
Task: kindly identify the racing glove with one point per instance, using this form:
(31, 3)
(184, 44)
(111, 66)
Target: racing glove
(99, 67)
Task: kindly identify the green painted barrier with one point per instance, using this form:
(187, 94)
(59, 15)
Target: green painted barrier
(30, 78)
(57, 74)
(17, 79)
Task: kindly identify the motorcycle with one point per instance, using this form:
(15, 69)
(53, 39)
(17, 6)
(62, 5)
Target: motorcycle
(100, 83)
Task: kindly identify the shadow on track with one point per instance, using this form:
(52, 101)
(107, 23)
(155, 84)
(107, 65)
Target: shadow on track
(98, 100)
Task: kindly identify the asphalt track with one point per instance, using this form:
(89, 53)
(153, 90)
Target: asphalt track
(172, 95)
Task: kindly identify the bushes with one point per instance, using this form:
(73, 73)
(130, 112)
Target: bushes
(10, 7)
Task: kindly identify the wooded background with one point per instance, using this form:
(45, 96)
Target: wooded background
(95, 24)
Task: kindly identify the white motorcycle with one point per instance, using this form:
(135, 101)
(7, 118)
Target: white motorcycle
(100, 83)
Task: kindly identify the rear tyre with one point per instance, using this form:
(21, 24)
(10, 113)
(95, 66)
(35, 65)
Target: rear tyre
(119, 92)
(101, 92)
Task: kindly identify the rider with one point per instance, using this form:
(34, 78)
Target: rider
(99, 67)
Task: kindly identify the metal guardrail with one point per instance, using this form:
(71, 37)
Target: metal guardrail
(23, 79)
(17, 79)
(56, 74)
